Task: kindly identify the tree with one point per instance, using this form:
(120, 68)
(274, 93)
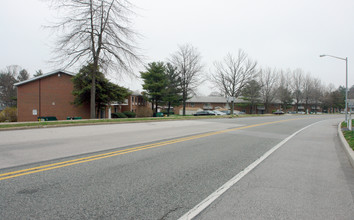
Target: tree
(155, 82)
(284, 93)
(172, 94)
(268, 81)
(187, 59)
(22, 75)
(316, 94)
(106, 91)
(8, 77)
(232, 75)
(38, 73)
(307, 90)
(297, 86)
(351, 92)
(7, 89)
(251, 93)
(98, 32)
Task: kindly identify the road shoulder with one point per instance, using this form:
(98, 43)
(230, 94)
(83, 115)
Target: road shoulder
(304, 179)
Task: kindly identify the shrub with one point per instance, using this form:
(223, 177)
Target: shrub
(129, 114)
(8, 115)
(118, 115)
(144, 112)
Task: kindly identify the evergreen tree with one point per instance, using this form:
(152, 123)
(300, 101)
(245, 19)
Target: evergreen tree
(23, 75)
(38, 73)
(172, 95)
(154, 83)
(252, 93)
(106, 91)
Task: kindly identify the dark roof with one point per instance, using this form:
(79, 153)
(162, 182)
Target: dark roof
(45, 75)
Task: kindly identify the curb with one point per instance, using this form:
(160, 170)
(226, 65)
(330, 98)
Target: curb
(347, 149)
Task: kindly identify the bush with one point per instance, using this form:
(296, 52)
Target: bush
(144, 112)
(129, 114)
(8, 115)
(118, 115)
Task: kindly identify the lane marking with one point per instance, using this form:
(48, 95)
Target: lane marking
(212, 197)
(52, 166)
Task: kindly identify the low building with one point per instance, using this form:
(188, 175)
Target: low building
(51, 95)
(48, 95)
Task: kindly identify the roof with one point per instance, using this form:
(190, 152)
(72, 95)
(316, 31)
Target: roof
(45, 75)
(212, 99)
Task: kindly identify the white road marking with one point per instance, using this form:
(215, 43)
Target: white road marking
(212, 197)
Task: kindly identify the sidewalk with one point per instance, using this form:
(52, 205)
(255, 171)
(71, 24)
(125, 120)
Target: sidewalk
(309, 177)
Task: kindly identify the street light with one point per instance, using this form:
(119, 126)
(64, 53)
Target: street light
(346, 82)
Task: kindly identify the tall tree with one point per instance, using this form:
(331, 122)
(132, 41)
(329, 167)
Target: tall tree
(251, 93)
(268, 81)
(7, 90)
(297, 86)
(307, 90)
(106, 91)
(232, 75)
(98, 32)
(316, 94)
(8, 77)
(154, 83)
(22, 75)
(172, 94)
(284, 92)
(187, 59)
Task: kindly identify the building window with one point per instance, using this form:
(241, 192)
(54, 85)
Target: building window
(192, 104)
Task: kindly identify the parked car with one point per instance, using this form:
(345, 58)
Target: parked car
(219, 112)
(206, 112)
(301, 112)
(278, 112)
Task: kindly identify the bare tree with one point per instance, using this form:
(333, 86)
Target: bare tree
(232, 75)
(316, 94)
(307, 89)
(8, 77)
(297, 86)
(97, 32)
(284, 92)
(187, 59)
(268, 81)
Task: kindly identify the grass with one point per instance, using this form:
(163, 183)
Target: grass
(44, 124)
(41, 124)
(349, 135)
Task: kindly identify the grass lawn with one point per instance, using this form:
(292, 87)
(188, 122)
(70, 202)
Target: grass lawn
(44, 124)
(349, 135)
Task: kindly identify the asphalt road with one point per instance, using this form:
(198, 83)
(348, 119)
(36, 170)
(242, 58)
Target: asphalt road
(161, 170)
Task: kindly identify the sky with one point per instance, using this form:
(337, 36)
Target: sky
(282, 34)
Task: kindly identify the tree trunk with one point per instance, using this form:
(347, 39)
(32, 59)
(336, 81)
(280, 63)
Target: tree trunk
(232, 107)
(93, 95)
(184, 103)
(168, 109)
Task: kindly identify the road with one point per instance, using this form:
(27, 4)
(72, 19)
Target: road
(162, 170)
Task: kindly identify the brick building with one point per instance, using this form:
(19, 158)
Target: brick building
(48, 95)
(198, 103)
(51, 95)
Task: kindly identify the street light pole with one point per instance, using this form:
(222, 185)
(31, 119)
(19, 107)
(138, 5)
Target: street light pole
(346, 83)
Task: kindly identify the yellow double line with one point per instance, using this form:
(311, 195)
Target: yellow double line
(53, 166)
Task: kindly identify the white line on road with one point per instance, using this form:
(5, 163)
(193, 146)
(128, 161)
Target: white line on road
(211, 198)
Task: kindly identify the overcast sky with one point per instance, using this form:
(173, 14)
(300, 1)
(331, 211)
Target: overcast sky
(277, 33)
